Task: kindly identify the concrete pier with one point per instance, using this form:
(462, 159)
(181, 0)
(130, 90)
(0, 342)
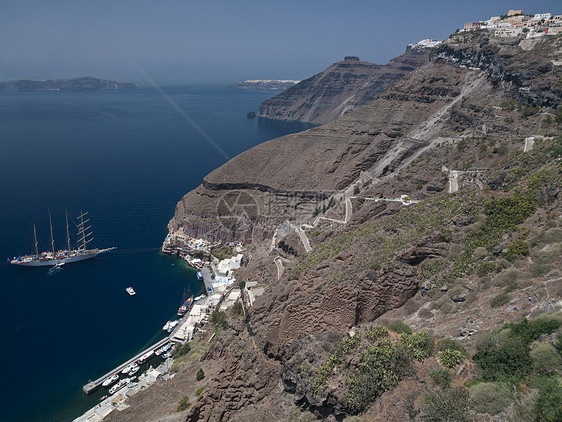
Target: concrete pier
(93, 385)
(208, 280)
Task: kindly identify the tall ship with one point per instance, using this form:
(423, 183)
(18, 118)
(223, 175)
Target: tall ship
(186, 303)
(63, 256)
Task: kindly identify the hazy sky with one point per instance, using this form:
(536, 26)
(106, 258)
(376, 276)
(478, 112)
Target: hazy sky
(222, 41)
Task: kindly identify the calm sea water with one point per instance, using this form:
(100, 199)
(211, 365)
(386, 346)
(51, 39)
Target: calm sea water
(126, 157)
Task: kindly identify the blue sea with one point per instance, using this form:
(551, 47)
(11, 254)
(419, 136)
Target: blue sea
(126, 157)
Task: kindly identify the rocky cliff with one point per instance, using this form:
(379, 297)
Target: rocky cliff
(437, 204)
(342, 87)
(86, 83)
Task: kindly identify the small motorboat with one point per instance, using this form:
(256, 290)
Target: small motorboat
(172, 325)
(133, 370)
(131, 291)
(110, 380)
(129, 367)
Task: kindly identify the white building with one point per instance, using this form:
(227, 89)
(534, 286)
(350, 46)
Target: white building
(545, 16)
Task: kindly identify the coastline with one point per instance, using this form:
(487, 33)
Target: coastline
(221, 293)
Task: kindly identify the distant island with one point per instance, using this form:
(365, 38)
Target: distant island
(86, 83)
(265, 84)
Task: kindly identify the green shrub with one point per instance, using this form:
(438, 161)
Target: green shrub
(224, 252)
(505, 355)
(399, 327)
(199, 391)
(381, 367)
(181, 350)
(546, 358)
(242, 285)
(218, 319)
(490, 397)
(200, 374)
(449, 405)
(485, 267)
(517, 248)
(558, 343)
(375, 266)
(450, 358)
(548, 407)
(508, 361)
(499, 300)
(529, 111)
(530, 331)
(183, 404)
(509, 104)
(336, 358)
(449, 343)
(418, 345)
(237, 308)
(441, 377)
(375, 333)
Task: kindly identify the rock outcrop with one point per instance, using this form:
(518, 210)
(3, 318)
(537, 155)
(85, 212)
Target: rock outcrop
(341, 88)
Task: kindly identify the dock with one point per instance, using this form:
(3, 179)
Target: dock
(208, 280)
(93, 385)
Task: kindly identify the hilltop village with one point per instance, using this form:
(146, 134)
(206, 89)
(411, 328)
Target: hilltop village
(516, 23)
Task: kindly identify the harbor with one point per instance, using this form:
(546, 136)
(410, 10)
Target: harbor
(93, 385)
(218, 279)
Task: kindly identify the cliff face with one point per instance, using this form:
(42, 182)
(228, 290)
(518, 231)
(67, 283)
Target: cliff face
(349, 188)
(289, 177)
(342, 87)
(86, 83)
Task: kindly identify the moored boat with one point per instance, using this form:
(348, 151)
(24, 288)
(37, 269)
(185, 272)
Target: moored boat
(133, 370)
(172, 325)
(146, 357)
(121, 384)
(110, 380)
(129, 367)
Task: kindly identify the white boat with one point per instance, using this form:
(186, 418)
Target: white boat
(110, 380)
(121, 384)
(133, 370)
(131, 291)
(166, 326)
(146, 356)
(129, 367)
(63, 256)
(172, 325)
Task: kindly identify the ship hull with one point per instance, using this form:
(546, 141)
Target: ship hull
(58, 261)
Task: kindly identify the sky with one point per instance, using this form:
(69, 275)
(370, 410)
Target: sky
(222, 41)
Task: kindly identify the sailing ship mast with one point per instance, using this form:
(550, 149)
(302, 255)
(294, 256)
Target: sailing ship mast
(83, 234)
(52, 239)
(35, 239)
(67, 233)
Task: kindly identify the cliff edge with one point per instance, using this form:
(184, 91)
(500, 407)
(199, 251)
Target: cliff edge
(341, 88)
